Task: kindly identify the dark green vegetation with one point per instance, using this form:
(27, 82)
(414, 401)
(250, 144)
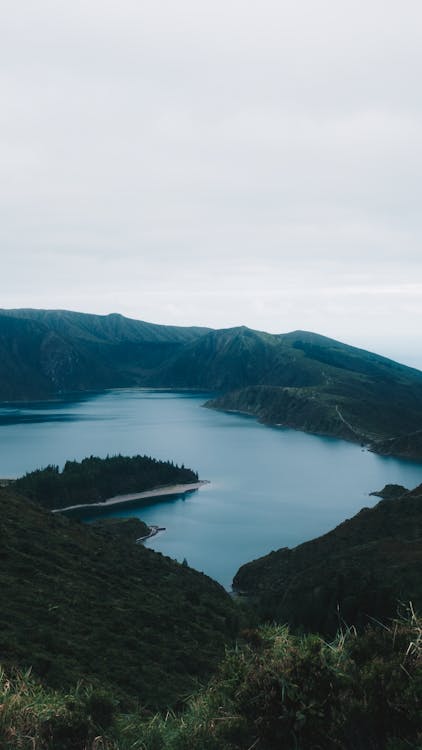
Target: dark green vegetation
(276, 691)
(96, 479)
(44, 353)
(319, 385)
(127, 529)
(298, 379)
(408, 446)
(85, 603)
(111, 631)
(365, 566)
(390, 492)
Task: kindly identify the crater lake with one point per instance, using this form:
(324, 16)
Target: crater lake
(268, 488)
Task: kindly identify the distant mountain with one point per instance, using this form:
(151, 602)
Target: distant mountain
(305, 381)
(366, 567)
(48, 352)
(298, 379)
(235, 358)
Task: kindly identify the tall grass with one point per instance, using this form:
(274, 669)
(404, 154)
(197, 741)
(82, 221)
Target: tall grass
(274, 691)
(33, 718)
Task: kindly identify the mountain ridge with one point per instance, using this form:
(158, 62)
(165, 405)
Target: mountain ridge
(298, 379)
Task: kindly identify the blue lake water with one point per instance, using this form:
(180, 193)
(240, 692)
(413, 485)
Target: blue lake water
(269, 487)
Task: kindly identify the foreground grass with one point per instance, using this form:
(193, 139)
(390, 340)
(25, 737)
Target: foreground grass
(277, 690)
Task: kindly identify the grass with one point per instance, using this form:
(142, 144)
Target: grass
(273, 691)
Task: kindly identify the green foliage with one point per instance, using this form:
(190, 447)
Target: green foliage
(359, 692)
(51, 352)
(78, 602)
(96, 479)
(276, 690)
(33, 717)
(359, 570)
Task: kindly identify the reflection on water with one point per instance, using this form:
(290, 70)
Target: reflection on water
(269, 487)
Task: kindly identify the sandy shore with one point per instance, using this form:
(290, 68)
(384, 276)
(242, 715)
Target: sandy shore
(169, 489)
(153, 531)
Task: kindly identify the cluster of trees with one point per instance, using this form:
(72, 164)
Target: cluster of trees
(95, 479)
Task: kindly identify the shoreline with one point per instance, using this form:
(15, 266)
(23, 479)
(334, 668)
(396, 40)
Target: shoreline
(153, 531)
(133, 498)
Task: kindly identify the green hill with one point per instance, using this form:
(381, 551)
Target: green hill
(363, 568)
(86, 603)
(48, 352)
(322, 386)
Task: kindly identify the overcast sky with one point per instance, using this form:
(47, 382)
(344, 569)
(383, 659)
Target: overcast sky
(216, 162)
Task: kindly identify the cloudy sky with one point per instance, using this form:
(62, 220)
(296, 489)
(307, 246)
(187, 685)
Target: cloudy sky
(216, 162)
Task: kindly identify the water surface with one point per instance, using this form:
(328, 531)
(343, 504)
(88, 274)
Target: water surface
(269, 487)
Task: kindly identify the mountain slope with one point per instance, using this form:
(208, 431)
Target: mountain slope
(345, 392)
(85, 603)
(364, 567)
(47, 352)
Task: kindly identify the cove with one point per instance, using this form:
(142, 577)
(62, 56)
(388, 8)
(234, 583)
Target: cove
(269, 487)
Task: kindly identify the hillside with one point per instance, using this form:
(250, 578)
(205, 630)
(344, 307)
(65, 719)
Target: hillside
(86, 603)
(322, 386)
(44, 353)
(299, 379)
(363, 568)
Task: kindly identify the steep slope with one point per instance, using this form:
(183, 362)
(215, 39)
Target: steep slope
(38, 362)
(318, 385)
(234, 358)
(84, 603)
(364, 567)
(47, 352)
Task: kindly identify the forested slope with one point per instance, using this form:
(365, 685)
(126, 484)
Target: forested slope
(364, 568)
(85, 603)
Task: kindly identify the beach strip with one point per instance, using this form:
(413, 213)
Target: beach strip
(168, 489)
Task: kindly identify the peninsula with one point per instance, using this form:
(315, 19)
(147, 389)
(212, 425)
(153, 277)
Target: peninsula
(104, 482)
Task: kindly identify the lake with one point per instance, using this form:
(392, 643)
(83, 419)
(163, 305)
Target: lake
(269, 487)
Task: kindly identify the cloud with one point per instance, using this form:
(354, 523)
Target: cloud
(215, 162)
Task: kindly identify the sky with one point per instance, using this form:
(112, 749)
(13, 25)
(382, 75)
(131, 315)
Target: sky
(198, 162)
